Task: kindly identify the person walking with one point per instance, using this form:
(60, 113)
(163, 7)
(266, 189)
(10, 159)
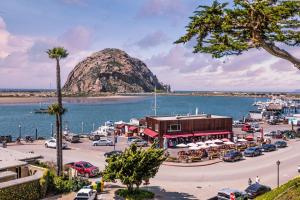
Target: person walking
(257, 180)
(249, 181)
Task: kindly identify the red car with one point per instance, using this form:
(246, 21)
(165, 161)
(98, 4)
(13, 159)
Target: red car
(85, 168)
(247, 128)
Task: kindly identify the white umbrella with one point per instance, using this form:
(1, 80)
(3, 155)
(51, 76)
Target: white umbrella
(194, 148)
(209, 142)
(192, 144)
(200, 143)
(229, 143)
(217, 141)
(213, 145)
(242, 140)
(181, 145)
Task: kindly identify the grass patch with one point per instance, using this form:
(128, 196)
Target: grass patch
(287, 191)
(135, 195)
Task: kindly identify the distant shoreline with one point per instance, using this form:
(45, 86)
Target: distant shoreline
(46, 96)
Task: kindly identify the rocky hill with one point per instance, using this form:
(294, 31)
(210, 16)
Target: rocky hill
(111, 70)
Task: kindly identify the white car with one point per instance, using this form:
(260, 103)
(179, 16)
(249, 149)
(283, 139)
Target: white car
(103, 142)
(52, 144)
(86, 194)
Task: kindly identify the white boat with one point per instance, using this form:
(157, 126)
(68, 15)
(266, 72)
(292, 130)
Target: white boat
(104, 130)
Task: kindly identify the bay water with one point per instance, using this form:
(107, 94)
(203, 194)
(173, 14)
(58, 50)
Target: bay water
(13, 115)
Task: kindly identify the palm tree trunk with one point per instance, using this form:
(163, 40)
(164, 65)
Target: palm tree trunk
(59, 100)
(57, 145)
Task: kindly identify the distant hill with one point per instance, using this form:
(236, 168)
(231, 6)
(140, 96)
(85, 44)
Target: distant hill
(111, 70)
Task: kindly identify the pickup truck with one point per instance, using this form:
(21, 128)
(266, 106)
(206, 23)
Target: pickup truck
(85, 169)
(86, 194)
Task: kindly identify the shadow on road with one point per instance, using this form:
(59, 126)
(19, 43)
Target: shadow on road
(161, 193)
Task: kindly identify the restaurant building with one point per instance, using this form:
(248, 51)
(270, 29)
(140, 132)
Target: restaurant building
(188, 128)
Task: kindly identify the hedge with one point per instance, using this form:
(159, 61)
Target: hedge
(23, 191)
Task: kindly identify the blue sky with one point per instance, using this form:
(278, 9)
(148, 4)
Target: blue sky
(145, 29)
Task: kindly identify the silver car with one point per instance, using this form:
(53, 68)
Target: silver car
(139, 142)
(103, 142)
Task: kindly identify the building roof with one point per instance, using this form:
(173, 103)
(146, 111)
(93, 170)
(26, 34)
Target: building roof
(13, 158)
(187, 117)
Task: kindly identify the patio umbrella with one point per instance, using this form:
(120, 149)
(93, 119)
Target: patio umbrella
(200, 143)
(213, 145)
(217, 141)
(194, 148)
(192, 144)
(229, 143)
(242, 140)
(225, 140)
(209, 142)
(181, 145)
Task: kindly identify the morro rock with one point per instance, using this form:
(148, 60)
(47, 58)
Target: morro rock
(111, 70)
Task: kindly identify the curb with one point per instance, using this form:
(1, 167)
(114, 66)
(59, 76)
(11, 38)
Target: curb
(188, 165)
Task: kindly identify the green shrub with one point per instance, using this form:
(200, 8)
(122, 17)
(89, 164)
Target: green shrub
(284, 191)
(135, 194)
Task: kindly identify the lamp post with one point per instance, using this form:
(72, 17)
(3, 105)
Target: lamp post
(20, 133)
(278, 163)
(52, 130)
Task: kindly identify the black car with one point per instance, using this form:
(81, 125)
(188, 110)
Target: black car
(233, 156)
(280, 144)
(252, 151)
(256, 189)
(112, 153)
(268, 147)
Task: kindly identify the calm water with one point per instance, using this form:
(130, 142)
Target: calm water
(13, 115)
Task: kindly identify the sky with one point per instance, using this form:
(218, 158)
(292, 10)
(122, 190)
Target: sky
(145, 29)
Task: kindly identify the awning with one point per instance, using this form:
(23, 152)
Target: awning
(249, 137)
(211, 133)
(177, 135)
(150, 133)
(132, 128)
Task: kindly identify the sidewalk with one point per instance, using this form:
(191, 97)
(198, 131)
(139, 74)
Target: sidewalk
(193, 164)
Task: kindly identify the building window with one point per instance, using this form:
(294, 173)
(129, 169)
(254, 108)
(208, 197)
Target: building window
(156, 127)
(174, 127)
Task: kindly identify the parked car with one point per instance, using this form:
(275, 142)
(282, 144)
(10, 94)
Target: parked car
(238, 124)
(139, 142)
(73, 138)
(86, 194)
(233, 156)
(52, 144)
(95, 137)
(252, 151)
(256, 189)
(280, 144)
(102, 142)
(85, 168)
(247, 128)
(268, 147)
(224, 194)
(112, 153)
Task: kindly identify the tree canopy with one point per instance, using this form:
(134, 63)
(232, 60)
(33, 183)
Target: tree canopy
(222, 29)
(57, 53)
(134, 166)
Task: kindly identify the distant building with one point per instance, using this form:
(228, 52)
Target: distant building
(188, 128)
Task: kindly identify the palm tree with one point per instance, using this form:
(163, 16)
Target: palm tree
(58, 53)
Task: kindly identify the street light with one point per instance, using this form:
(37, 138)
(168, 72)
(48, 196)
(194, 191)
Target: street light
(20, 134)
(278, 163)
(82, 128)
